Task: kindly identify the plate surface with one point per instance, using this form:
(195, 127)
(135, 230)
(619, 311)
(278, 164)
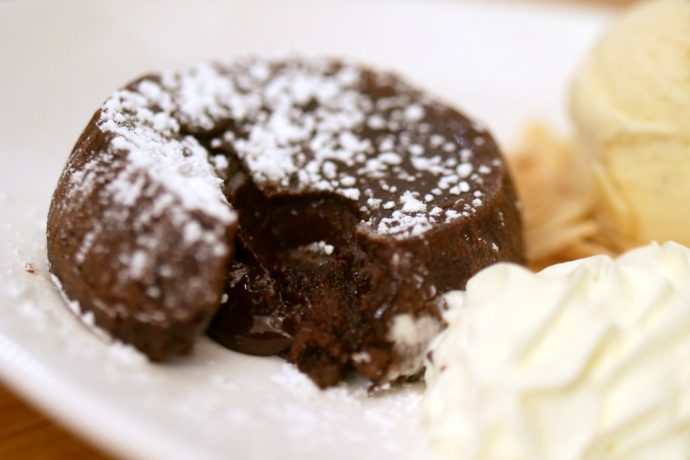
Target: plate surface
(498, 61)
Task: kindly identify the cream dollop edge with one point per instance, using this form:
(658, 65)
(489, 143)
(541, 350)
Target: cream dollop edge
(587, 359)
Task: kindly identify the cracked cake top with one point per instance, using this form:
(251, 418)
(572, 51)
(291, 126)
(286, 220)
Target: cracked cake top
(307, 126)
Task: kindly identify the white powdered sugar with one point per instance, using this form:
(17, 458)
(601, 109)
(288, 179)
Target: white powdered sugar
(316, 125)
(143, 125)
(148, 169)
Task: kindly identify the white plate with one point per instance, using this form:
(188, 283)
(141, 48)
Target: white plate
(501, 62)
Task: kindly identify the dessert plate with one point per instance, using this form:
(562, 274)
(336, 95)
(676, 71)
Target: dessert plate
(503, 62)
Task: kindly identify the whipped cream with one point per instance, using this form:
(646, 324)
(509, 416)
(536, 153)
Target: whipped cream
(585, 360)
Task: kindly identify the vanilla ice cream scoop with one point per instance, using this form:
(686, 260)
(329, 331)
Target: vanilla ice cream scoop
(587, 360)
(631, 105)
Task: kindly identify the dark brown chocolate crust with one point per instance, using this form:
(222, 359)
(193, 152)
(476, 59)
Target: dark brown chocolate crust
(360, 201)
(140, 263)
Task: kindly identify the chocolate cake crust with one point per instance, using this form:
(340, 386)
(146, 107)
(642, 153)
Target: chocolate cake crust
(140, 235)
(350, 200)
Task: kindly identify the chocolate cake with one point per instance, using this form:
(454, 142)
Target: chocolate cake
(350, 200)
(140, 235)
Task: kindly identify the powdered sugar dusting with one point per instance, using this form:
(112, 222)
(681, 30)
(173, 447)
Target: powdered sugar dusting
(317, 125)
(149, 170)
(143, 125)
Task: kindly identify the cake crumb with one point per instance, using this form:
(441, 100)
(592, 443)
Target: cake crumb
(30, 268)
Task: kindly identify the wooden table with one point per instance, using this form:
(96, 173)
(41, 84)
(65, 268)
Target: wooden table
(27, 434)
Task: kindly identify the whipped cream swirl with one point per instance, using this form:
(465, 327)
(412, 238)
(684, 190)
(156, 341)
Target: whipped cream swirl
(585, 360)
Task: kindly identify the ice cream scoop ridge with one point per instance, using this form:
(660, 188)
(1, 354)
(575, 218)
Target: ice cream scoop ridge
(584, 360)
(631, 105)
